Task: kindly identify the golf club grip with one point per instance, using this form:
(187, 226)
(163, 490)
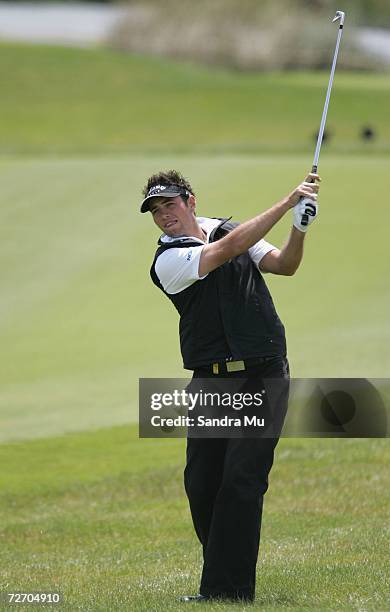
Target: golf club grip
(305, 218)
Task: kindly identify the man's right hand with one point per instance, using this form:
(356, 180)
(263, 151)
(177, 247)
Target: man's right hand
(308, 188)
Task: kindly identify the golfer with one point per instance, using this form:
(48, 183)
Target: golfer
(212, 271)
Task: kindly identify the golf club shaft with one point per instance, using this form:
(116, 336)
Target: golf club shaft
(339, 15)
(326, 105)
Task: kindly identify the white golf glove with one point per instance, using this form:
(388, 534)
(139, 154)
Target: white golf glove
(305, 213)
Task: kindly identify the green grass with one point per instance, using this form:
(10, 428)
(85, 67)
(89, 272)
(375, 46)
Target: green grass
(102, 517)
(81, 321)
(70, 101)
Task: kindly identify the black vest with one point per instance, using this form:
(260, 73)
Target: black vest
(229, 315)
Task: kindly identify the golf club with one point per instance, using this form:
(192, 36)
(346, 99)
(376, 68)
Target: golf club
(340, 16)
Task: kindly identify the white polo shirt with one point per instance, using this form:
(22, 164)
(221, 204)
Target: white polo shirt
(178, 268)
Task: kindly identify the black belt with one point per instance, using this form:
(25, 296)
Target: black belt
(226, 367)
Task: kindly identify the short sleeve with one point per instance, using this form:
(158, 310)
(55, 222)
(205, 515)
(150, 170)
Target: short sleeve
(178, 268)
(259, 250)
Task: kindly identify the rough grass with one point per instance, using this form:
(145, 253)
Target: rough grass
(102, 517)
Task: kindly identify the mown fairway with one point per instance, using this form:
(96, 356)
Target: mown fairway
(85, 506)
(81, 321)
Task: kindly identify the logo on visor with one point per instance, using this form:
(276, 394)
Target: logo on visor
(157, 189)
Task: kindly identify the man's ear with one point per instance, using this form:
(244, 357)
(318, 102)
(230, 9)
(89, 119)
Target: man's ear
(192, 202)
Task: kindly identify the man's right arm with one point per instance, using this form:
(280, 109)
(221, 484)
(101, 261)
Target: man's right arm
(244, 236)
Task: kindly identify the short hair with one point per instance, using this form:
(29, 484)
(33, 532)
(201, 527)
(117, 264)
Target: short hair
(169, 177)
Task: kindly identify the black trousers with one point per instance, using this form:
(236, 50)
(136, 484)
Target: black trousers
(225, 481)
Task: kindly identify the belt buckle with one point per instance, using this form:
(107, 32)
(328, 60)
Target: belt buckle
(235, 366)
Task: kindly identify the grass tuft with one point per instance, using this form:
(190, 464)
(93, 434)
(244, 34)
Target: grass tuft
(111, 530)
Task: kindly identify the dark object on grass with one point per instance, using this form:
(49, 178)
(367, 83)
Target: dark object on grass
(367, 133)
(325, 136)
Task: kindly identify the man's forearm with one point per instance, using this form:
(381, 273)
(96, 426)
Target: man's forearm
(291, 254)
(247, 234)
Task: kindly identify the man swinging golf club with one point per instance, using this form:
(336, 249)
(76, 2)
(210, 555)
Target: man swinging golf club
(212, 271)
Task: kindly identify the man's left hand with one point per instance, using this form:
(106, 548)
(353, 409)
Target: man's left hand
(307, 209)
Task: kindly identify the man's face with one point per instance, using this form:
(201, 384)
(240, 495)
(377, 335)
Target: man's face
(173, 216)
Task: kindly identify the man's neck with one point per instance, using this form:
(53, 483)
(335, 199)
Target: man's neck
(201, 234)
(197, 232)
